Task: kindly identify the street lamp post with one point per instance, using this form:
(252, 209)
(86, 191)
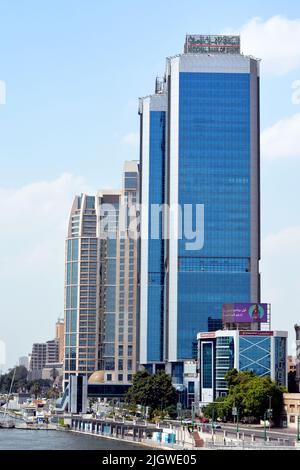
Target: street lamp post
(265, 428)
(237, 420)
(193, 414)
(270, 411)
(213, 418)
(298, 426)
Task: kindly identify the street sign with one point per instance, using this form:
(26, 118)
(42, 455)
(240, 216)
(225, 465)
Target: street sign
(234, 411)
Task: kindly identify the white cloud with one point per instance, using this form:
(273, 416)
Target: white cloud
(131, 139)
(275, 41)
(286, 242)
(281, 278)
(296, 93)
(32, 239)
(281, 140)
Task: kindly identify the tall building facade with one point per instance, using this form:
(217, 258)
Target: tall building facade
(81, 279)
(100, 283)
(37, 360)
(118, 279)
(52, 351)
(199, 146)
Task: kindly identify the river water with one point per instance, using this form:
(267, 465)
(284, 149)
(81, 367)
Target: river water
(19, 439)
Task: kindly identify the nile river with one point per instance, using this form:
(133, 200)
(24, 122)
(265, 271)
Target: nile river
(19, 439)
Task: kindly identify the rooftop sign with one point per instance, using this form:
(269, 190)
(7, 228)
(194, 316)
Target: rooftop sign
(244, 313)
(197, 43)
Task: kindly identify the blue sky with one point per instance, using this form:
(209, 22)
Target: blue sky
(73, 71)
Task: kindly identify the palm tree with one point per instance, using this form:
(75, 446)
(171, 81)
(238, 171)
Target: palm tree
(35, 389)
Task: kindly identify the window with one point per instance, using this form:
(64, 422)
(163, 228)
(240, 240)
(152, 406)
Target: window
(207, 365)
(120, 364)
(120, 377)
(109, 377)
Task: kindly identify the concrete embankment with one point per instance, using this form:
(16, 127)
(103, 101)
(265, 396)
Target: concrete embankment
(143, 443)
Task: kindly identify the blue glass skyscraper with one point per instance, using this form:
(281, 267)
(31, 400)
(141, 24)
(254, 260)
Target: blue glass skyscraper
(199, 145)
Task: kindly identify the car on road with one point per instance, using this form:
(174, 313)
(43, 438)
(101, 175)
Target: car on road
(204, 420)
(187, 421)
(249, 420)
(214, 425)
(217, 426)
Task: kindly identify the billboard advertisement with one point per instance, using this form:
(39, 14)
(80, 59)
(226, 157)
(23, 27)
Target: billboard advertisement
(244, 313)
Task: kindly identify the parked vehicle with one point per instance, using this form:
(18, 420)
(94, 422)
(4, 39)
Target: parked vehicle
(187, 421)
(249, 420)
(204, 420)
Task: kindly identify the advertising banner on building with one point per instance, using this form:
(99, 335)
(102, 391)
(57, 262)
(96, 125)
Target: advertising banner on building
(256, 333)
(244, 313)
(198, 43)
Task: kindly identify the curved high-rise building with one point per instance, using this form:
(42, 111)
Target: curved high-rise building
(100, 283)
(81, 281)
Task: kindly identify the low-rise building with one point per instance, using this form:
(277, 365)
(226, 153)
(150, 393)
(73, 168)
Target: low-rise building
(263, 352)
(52, 371)
(291, 406)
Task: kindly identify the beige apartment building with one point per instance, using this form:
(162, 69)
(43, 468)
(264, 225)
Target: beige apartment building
(101, 283)
(291, 405)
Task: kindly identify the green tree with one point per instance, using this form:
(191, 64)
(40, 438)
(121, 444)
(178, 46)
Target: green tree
(140, 392)
(20, 380)
(35, 389)
(155, 391)
(164, 394)
(52, 393)
(251, 394)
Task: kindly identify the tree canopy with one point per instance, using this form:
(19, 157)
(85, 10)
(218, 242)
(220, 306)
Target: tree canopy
(155, 391)
(22, 384)
(250, 394)
(20, 380)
